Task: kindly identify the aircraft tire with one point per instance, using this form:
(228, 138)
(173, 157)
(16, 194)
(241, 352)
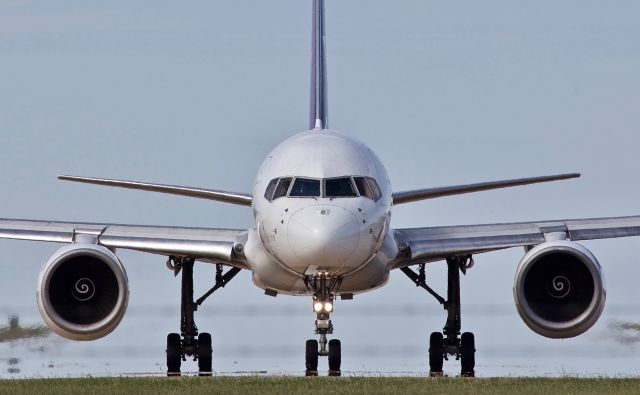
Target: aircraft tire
(205, 355)
(436, 356)
(467, 354)
(335, 357)
(311, 358)
(174, 354)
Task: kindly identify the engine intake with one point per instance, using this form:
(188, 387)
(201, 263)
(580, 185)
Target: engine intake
(559, 289)
(83, 292)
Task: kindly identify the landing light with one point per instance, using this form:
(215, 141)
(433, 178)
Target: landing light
(323, 307)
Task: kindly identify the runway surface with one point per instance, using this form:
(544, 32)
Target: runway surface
(248, 342)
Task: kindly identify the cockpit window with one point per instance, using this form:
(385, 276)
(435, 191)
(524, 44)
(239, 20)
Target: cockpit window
(339, 187)
(375, 189)
(305, 187)
(282, 188)
(268, 194)
(363, 187)
(333, 187)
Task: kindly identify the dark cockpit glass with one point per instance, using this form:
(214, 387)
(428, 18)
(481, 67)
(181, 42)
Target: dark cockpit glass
(268, 194)
(333, 188)
(339, 187)
(363, 187)
(305, 187)
(282, 188)
(375, 189)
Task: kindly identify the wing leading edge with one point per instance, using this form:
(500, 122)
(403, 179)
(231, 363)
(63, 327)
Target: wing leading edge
(437, 243)
(432, 193)
(204, 244)
(201, 193)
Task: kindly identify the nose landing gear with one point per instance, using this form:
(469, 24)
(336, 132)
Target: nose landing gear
(323, 288)
(449, 342)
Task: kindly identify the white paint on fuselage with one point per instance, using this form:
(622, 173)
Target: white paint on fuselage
(342, 236)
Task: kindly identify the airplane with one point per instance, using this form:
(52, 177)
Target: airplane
(322, 204)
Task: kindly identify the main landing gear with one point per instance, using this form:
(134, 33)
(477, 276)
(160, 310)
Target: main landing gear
(190, 343)
(449, 342)
(323, 288)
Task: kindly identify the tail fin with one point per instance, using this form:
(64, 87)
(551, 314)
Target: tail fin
(319, 118)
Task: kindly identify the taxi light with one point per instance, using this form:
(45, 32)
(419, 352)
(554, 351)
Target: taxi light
(328, 307)
(317, 307)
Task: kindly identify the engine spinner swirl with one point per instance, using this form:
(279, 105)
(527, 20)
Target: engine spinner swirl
(83, 290)
(560, 287)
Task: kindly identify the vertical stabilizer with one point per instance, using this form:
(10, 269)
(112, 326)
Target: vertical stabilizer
(319, 116)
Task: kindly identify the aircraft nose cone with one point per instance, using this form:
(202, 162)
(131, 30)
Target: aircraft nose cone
(323, 235)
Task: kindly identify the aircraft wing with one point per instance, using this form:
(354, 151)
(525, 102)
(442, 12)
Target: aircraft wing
(432, 193)
(205, 244)
(242, 199)
(420, 245)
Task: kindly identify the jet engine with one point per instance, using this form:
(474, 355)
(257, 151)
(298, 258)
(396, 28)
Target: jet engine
(559, 289)
(83, 291)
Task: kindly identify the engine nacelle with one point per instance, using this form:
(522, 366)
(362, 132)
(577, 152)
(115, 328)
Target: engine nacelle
(83, 292)
(559, 289)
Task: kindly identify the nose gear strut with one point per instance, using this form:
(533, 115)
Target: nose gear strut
(449, 342)
(324, 290)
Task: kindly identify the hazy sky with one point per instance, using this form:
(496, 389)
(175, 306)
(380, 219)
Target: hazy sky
(197, 93)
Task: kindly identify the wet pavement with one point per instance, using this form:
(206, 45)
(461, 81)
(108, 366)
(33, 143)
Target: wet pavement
(249, 341)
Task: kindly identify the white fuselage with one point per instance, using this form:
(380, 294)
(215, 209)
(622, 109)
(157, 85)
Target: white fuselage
(322, 203)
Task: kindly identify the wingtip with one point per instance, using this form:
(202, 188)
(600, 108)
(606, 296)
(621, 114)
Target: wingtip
(567, 176)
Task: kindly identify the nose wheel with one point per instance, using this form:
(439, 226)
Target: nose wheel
(334, 354)
(324, 291)
(335, 357)
(311, 358)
